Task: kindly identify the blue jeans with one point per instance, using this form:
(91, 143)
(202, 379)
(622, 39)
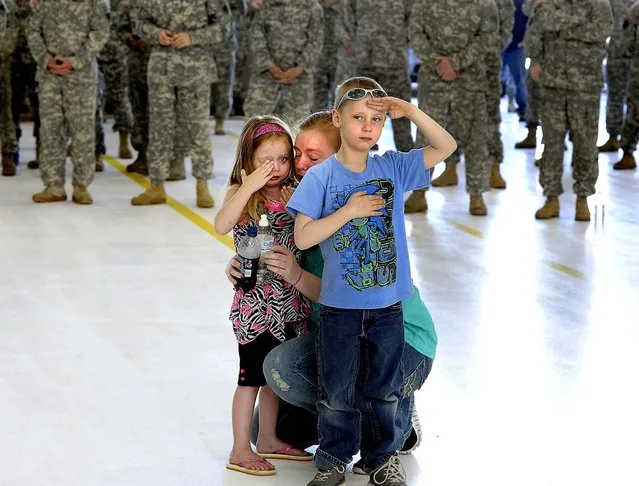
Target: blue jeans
(291, 371)
(359, 355)
(515, 60)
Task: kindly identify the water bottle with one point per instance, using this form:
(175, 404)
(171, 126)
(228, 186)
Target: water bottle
(265, 236)
(248, 253)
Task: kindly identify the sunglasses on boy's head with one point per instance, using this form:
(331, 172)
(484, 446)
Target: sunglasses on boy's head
(357, 94)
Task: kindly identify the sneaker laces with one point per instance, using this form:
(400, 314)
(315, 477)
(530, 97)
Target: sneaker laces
(393, 469)
(326, 475)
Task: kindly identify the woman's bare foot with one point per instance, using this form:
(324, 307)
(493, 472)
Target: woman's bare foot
(276, 446)
(248, 457)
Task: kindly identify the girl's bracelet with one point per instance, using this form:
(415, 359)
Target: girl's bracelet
(299, 278)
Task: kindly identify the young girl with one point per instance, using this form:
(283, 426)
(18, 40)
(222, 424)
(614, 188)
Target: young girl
(352, 205)
(273, 311)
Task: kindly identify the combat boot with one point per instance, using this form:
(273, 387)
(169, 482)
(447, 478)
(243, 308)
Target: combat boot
(8, 165)
(477, 206)
(627, 162)
(549, 210)
(582, 212)
(153, 195)
(99, 164)
(612, 145)
(176, 171)
(139, 166)
(124, 152)
(531, 139)
(81, 195)
(496, 180)
(219, 126)
(53, 193)
(416, 202)
(203, 196)
(447, 178)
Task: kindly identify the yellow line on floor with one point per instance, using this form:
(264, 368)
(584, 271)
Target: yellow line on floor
(568, 270)
(177, 206)
(466, 229)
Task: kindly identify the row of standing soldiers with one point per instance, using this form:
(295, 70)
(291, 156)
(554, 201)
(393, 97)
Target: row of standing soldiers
(296, 51)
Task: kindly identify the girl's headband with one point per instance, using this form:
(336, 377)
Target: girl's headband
(268, 128)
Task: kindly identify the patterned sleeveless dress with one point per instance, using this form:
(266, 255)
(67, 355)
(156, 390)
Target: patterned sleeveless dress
(274, 304)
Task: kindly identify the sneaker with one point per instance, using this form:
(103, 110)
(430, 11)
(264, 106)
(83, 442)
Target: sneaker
(415, 438)
(390, 473)
(358, 468)
(333, 477)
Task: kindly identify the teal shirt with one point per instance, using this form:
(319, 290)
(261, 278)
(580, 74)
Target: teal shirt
(419, 328)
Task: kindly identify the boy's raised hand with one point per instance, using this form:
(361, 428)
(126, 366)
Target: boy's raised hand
(360, 205)
(259, 177)
(395, 107)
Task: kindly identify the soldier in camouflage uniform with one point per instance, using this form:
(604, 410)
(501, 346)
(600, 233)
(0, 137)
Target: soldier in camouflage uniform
(533, 119)
(112, 62)
(23, 80)
(221, 91)
(325, 81)
(617, 75)
(567, 44)
(8, 41)
(381, 53)
(495, 147)
(241, 49)
(630, 133)
(65, 36)
(283, 59)
(451, 39)
(180, 73)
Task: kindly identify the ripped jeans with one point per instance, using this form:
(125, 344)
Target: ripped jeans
(291, 371)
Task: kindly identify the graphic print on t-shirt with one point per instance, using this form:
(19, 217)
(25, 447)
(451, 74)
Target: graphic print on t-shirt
(366, 246)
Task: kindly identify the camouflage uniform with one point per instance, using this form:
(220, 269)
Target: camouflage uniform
(223, 59)
(381, 53)
(179, 80)
(112, 61)
(242, 50)
(533, 118)
(617, 69)
(77, 30)
(568, 41)
(462, 31)
(345, 39)
(9, 24)
(324, 83)
(298, 44)
(501, 38)
(630, 133)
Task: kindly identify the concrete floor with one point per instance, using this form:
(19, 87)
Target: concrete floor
(118, 363)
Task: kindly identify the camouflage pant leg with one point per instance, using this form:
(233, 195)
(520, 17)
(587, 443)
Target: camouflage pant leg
(262, 95)
(242, 58)
(437, 106)
(630, 134)
(468, 115)
(139, 97)
(583, 120)
(493, 100)
(100, 147)
(618, 78)
(221, 90)
(297, 98)
(117, 92)
(162, 124)
(324, 82)
(79, 100)
(534, 101)
(195, 101)
(52, 130)
(345, 68)
(396, 83)
(8, 138)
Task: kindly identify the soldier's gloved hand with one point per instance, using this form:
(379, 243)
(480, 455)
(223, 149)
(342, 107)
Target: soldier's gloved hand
(166, 38)
(181, 40)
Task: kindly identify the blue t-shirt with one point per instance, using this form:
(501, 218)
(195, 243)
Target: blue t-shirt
(366, 264)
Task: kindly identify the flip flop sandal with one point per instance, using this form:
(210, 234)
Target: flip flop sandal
(285, 455)
(248, 467)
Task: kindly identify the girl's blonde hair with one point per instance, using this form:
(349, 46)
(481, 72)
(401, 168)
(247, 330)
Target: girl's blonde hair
(246, 149)
(356, 82)
(322, 121)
